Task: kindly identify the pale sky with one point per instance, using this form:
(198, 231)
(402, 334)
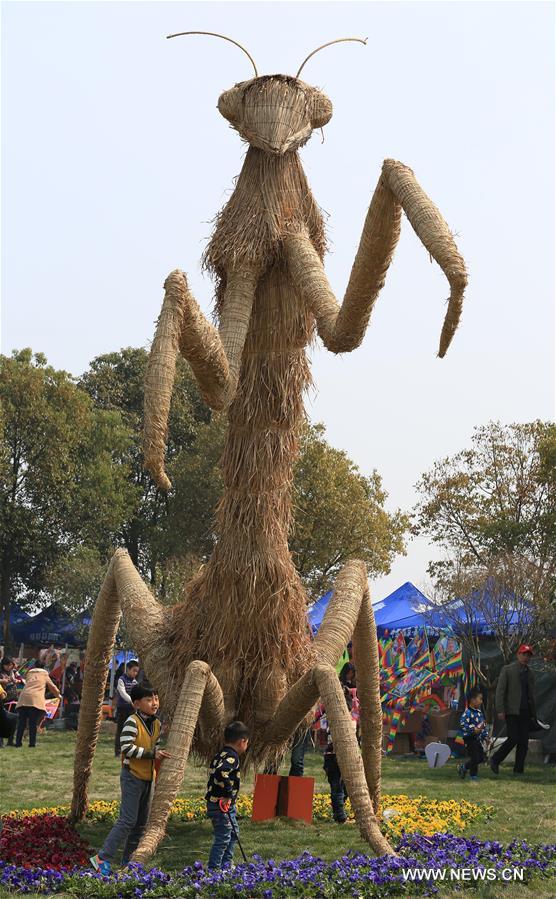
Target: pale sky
(115, 159)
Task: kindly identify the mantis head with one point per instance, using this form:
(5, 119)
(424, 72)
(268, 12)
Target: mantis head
(275, 113)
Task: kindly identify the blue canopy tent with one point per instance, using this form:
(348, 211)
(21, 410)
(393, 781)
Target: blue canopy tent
(122, 656)
(407, 609)
(49, 626)
(403, 609)
(17, 616)
(317, 610)
(463, 612)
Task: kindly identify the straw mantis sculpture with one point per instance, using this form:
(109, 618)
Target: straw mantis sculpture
(238, 645)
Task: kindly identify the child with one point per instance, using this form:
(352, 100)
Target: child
(222, 789)
(338, 792)
(473, 728)
(139, 744)
(124, 685)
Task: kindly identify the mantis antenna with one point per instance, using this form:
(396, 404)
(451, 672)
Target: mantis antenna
(338, 40)
(224, 38)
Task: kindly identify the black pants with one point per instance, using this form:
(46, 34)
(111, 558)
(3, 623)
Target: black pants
(518, 735)
(8, 724)
(28, 714)
(72, 715)
(475, 753)
(302, 740)
(121, 717)
(338, 792)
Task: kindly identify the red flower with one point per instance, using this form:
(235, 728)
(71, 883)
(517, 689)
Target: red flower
(42, 841)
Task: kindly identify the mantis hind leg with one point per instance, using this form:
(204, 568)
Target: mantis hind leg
(123, 592)
(349, 614)
(200, 698)
(349, 757)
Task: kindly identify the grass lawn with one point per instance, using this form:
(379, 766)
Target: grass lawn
(524, 807)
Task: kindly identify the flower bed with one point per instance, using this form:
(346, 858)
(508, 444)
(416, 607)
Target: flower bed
(354, 875)
(42, 841)
(401, 814)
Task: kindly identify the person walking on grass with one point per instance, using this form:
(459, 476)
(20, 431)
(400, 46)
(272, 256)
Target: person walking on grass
(139, 745)
(222, 790)
(31, 705)
(8, 684)
(124, 705)
(473, 728)
(515, 704)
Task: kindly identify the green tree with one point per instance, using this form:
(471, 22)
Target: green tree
(198, 486)
(339, 514)
(115, 381)
(74, 580)
(498, 496)
(58, 484)
(492, 509)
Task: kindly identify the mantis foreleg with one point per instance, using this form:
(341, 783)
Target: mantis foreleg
(214, 355)
(342, 327)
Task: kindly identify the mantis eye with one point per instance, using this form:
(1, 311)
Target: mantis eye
(320, 109)
(229, 104)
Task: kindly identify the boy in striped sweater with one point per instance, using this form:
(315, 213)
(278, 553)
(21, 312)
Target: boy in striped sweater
(139, 744)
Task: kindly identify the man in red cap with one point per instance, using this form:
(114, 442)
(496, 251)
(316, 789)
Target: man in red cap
(515, 704)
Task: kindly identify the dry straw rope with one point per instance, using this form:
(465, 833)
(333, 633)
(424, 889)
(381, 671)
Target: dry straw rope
(338, 40)
(198, 677)
(342, 327)
(224, 38)
(124, 591)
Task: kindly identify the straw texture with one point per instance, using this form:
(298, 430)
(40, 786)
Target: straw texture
(342, 613)
(365, 648)
(292, 709)
(240, 636)
(172, 770)
(246, 609)
(434, 233)
(275, 113)
(160, 374)
(349, 758)
(234, 322)
(339, 624)
(122, 589)
(271, 199)
(342, 328)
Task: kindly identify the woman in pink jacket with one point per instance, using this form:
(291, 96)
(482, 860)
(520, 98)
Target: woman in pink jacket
(31, 702)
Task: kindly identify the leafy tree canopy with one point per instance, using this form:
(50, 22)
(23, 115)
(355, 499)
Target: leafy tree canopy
(59, 485)
(114, 381)
(496, 497)
(492, 509)
(339, 514)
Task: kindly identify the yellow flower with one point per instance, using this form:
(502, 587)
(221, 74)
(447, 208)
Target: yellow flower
(405, 814)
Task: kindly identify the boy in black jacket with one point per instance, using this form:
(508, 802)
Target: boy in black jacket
(222, 789)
